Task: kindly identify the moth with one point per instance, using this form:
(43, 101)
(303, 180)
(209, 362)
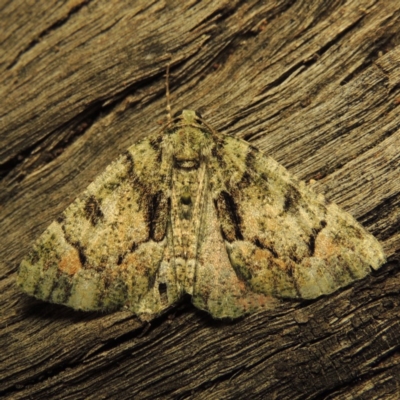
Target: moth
(193, 211)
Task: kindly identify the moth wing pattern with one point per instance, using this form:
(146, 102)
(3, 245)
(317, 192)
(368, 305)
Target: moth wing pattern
(280, 239)
(193, 211)
(109, 249)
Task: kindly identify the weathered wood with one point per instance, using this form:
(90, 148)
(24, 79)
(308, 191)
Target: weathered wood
(315, 84)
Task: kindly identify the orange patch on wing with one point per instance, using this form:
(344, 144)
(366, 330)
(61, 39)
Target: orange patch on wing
(70, 262)
(281, 264)
(325, 247)
(139, 261)
(260, 255)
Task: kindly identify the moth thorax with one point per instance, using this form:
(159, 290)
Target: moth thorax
(189, 147)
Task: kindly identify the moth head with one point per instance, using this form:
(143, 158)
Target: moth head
(188, 117)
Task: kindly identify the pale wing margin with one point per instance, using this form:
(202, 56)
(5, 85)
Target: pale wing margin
(109, 249)
(282, 239)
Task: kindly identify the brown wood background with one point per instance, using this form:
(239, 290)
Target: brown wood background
(315, 84)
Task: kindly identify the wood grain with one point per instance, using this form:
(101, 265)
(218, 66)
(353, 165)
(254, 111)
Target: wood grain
(315, 84)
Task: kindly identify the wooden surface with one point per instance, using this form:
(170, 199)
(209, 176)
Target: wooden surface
(315, 84)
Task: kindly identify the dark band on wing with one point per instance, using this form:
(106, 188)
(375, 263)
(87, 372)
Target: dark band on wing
(81, 253)
(61, 289)
(76, 245)
(93, 211)
(163, 291)
(157, 215)
(217, 151)
(292, 199)
(251, 157)
(130, 165)
(260, 245)
(229, 217)
(156, 145)
(115, 293)
(246, 179)
(313, 237)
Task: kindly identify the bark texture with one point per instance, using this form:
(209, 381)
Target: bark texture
(315, 84)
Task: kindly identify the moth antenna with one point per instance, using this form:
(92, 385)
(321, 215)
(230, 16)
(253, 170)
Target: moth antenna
(168, 94)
